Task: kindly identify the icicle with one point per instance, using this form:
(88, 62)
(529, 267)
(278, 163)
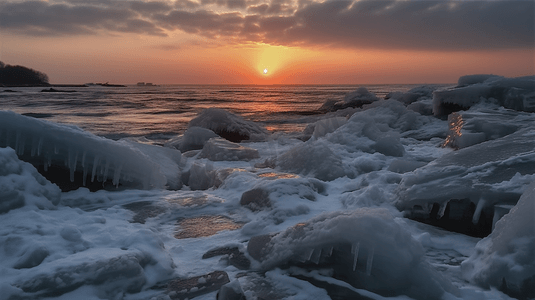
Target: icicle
(329, 251)
(94, 171)
(45, 164)
(369, 261)
(40, 146)
(442, 209)
(83, 158)
(480, 204)
(17, 143)
(84, 169)
(73, 160)
(34, 146)
(117, 175)
(355, 251)
(56, 150)
(106, 169)
(316, 256)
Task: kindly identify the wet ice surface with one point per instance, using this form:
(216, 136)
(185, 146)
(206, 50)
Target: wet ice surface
(328, 217)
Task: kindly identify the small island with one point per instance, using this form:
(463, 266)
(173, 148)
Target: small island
(21, 76)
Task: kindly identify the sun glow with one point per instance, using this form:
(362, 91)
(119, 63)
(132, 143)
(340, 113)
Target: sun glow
(265, 71)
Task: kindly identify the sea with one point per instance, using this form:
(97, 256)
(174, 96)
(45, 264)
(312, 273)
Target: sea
(161, 112)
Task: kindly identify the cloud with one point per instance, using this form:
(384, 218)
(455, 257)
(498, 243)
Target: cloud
(413, 25)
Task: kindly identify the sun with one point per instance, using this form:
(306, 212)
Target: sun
(265, 71)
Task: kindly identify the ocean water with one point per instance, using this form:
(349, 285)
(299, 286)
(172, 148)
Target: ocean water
(160, 112)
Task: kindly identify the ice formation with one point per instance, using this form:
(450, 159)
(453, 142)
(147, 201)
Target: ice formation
(193, 139)
(514, 93)
(229, 126)
(21, 185)
(506, 258)
(357, 98)
(462, 187)
(217, 149)
(366, 248)
(46, 145)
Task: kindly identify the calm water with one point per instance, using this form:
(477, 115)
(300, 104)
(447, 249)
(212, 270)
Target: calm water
(161, 112)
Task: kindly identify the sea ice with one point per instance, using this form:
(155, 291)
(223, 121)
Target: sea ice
(506, 258)
(67, 147)
(357, 98)
(229, 126)
(218, 149)
(193, 139)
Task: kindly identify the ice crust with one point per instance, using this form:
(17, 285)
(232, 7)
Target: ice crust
(506, 258)
(124, 162)
(21, 185)
(217, 149)
(229, 126)
(514, 93)
(193, 139)
(365, 247)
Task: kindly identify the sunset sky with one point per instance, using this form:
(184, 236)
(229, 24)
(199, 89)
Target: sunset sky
(297, 41)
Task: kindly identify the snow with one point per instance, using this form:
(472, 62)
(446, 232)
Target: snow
(369, 206)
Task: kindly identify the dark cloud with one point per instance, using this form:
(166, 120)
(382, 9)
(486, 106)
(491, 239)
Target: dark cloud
(421, 25)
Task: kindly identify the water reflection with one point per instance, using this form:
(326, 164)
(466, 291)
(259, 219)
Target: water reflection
(455, 123)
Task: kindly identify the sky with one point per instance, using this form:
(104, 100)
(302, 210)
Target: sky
(296, 41)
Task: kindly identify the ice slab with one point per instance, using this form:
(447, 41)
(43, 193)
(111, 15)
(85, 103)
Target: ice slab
(86, 156)
(193, 139)
(219, 149)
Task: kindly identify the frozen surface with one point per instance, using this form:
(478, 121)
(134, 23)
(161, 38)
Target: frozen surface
(506, 258)
(229, 126)
(280, 217)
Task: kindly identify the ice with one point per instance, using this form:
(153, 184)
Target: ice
(415, 94)
(393, 260)
(229, 126)
(357, 98)
(193, 139)
(497, 171)
(514, 93)
(506, 258)
(66, 147)
(21, 185)
(322, 127)
(217, 149)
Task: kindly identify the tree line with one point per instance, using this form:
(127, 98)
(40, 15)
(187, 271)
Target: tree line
(21, 76)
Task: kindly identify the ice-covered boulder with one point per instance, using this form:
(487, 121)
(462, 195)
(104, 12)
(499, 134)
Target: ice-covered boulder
(313, 158)
(66, 153)
(193, 139)
(21, 185)
(514, 93)
(229, 126)
(366, 248)
(322, 127)
(459, 190)
(506, 258)
(413, 95)
(357, 98)
(218, 149)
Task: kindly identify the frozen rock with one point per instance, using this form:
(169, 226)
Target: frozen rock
(413, 95)
(32, 257)
(193, 139)
(235, 256)
(404, 166)
(196, 286)
(322, 127)
(366, 248)
(229, 126)
(204, 176)
(231, 291)
(506, 258)
(313, 158)
(218, 149)
(21, 185)
(514, 93)
(79, 156)
(357, 98)
(450, 190)
(256, 199)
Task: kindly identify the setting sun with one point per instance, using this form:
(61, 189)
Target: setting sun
(265, 71)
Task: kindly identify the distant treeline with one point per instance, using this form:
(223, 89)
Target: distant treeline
(21, 76)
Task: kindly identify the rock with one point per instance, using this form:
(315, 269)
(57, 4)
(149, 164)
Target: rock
(256, 199)
(231, 291)
(196, 286)
(235, 257)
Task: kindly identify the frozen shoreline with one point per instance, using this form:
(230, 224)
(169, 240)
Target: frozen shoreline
(323, 215)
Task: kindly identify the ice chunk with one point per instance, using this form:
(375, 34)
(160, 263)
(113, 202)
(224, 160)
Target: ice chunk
(506, 258)
(413, 95)
(218, 149)
(357, 98)
(392, 261)
(57, 148)
(229, 126)
(21, 185)
(313, 158)
(193, 139)
(495, 170)
(515, 93)
(325, 126)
